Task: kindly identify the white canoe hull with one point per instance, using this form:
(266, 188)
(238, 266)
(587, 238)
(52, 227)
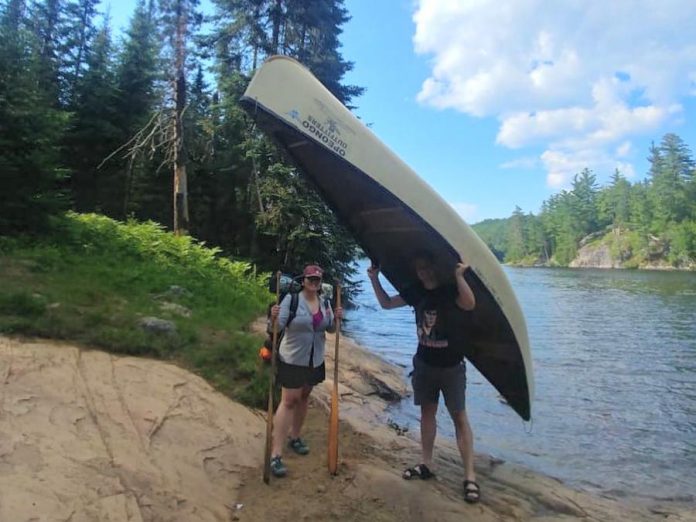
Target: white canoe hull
(393, 213)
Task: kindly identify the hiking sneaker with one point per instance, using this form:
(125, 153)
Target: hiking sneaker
(277, 467)
(298, 446)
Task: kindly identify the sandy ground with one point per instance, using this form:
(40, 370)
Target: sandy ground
(86, 436)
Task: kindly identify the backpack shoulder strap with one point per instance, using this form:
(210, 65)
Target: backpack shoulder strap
(294, 302)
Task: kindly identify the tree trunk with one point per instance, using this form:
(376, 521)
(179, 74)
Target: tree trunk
(277, 16)
(181, 213)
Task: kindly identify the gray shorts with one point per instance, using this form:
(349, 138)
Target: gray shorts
(428, 381)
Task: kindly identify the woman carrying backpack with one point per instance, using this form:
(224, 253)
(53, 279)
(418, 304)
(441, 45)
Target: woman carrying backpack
(300, 362)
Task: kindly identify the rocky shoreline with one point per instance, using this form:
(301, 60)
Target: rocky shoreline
(512, 492)
(87, 436)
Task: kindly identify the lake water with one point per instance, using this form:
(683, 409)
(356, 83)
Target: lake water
(615, 368)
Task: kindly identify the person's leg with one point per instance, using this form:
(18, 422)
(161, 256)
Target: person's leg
(454, 390)
(426, 395)
(428, 426)
(300, 412)
(465, 442)
(289, 402)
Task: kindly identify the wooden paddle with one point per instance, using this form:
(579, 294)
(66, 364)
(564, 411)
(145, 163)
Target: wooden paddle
(271, 386)
(333, 416)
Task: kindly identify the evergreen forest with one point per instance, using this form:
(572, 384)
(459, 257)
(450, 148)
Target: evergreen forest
(649, 223)
(146, 125)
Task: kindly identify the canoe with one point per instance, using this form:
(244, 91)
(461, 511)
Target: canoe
(393, 213)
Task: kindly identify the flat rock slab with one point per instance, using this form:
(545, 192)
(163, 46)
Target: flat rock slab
(86, 436)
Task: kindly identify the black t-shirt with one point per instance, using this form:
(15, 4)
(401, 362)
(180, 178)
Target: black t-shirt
(436, 312)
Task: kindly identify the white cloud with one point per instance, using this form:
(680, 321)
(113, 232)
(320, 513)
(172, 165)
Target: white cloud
(579, 79)
(523, 163)
(562, 164)
(623, 150)
(466, 210)
(626, 169)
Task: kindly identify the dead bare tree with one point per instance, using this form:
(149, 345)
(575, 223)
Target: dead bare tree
(181, 211)
(165, 130)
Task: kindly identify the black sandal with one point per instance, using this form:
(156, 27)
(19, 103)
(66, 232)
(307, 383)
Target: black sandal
(419, 471)
(472, 494)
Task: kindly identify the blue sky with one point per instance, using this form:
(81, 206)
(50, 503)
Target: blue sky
(497, 104)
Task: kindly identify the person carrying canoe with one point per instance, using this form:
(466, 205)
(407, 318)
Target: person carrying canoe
(300, 362)
(438, 365)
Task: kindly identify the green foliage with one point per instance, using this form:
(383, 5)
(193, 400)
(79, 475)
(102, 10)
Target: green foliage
(93, 279)
(30, 128)
(148, 242)
(22, 304)
(682, 243)
(613, 203)
(304, 226)
(249, 31)
(620, 245)
(94, 131)
(493, 233)
(80, 34)
(517, 241)
(670, 171)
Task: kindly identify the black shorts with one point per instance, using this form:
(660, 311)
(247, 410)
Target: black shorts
(294, 376)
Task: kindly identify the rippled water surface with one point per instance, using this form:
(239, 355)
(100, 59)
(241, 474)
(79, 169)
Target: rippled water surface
(615, 367)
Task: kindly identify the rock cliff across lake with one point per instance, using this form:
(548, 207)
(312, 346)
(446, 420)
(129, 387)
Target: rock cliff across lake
(88, 436)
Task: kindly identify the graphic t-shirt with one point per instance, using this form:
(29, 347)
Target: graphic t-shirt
(436, 311)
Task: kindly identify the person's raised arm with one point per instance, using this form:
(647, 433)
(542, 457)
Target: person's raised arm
(385, 301)
(465, 296)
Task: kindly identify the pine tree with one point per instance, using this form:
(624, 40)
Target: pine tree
(584, 202)
(80, 33)
(48, 25)
(30, 128)
(671, 167)
(284, 210)
(138, 72)
(199, 128)
(312, 36)
(537, 242)
(94, 133)
(641, 209)
(517, 240)
(239, 40)
(613, 202)
(130, 172)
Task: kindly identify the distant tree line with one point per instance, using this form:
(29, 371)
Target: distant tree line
(147, 124)
(641, 222)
